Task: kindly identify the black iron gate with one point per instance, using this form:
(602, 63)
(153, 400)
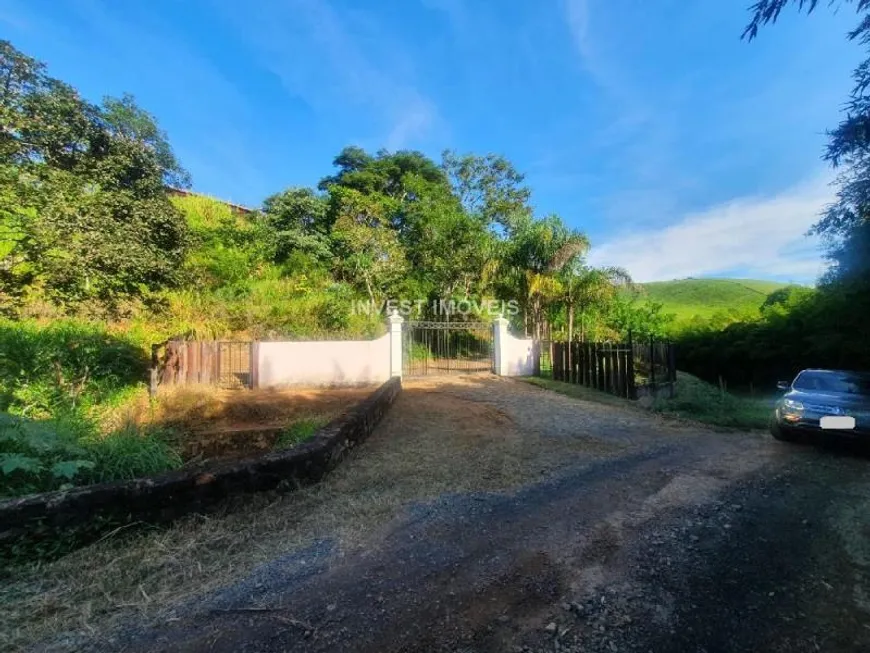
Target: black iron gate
(434, 348)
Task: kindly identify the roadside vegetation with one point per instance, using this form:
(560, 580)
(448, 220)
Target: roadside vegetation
(693, 399)
(74, 409)
(58, 383)
(300, 431)
(798, 327)
(704, 402)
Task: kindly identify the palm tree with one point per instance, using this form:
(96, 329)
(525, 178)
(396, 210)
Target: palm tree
(586, 287)
(539, 252)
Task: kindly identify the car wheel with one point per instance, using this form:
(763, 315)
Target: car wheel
(784, 434)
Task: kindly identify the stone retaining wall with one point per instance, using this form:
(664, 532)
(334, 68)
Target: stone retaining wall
(87, 510)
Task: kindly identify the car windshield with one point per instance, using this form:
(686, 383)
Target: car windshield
(837, 382)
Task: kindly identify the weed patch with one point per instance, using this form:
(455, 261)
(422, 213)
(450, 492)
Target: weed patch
(299, 431)
(694, 399)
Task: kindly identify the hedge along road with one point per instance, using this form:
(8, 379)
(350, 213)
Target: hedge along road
(491, 515)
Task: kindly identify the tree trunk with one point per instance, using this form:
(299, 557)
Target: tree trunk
(537, 318)
(570, 322)
(570, 332)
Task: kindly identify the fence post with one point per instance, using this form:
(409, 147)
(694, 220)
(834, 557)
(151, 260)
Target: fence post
(499, 337)
(613, 383)
(611, 387)
(602, 366)
(255, 365)
(672, 368)
(152, 381)
(587, 365)
(652, 364)
(593, 367)
(623, 373)
(632, 390)
(596, 365)
(395, 321)
(572, 361)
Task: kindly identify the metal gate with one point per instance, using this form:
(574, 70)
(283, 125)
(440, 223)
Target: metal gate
(435, 348)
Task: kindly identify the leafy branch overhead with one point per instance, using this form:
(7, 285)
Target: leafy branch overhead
(845, 224)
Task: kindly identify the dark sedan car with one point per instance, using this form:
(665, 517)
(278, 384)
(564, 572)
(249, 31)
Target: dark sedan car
(829, 401)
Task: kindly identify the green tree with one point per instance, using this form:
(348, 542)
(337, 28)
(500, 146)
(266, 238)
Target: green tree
(786, 299)
(384, 173)
(587, 289)
(640, 319)
(85, 214)
(535, 254)
(489, 188)
(447, 249)
(297, 218)
(124, 119)
(369, 253)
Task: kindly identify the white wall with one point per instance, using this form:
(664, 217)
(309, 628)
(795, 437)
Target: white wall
(324, 363)
(518, 356)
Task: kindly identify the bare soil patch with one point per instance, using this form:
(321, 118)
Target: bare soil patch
(214, 423)
(442, 438)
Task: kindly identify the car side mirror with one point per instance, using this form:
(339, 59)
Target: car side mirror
(782, 385)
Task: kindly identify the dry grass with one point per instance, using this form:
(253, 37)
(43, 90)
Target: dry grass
(433, 441)
(196, 407)
(212, 422)
(580, 392)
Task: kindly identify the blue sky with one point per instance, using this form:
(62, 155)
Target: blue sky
(680, 149)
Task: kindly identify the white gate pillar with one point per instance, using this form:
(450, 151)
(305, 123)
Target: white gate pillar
(395, 321)
(499, 342)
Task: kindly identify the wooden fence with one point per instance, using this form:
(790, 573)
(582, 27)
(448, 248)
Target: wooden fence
(602, 366)
(228, 364)
(655, 367)
(626, 370)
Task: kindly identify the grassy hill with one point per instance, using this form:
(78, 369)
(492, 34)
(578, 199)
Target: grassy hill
(687, 298)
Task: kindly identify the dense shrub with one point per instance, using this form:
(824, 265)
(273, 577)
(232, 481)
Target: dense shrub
(795, 330)
(63, 367)
(55, 382)
(694, 399)
(38, 456)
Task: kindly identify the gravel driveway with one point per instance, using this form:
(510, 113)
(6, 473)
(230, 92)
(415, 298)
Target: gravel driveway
(490, 515)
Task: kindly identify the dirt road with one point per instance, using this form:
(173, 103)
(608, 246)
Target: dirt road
(522, 520)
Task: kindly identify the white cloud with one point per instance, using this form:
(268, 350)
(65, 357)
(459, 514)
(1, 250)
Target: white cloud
(750, 236)
(332, 59)
(413, 120)
(596, 56)
(577, 16)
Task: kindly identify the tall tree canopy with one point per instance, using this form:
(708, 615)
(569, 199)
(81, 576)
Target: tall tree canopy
(84, 212)
(85, 220)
